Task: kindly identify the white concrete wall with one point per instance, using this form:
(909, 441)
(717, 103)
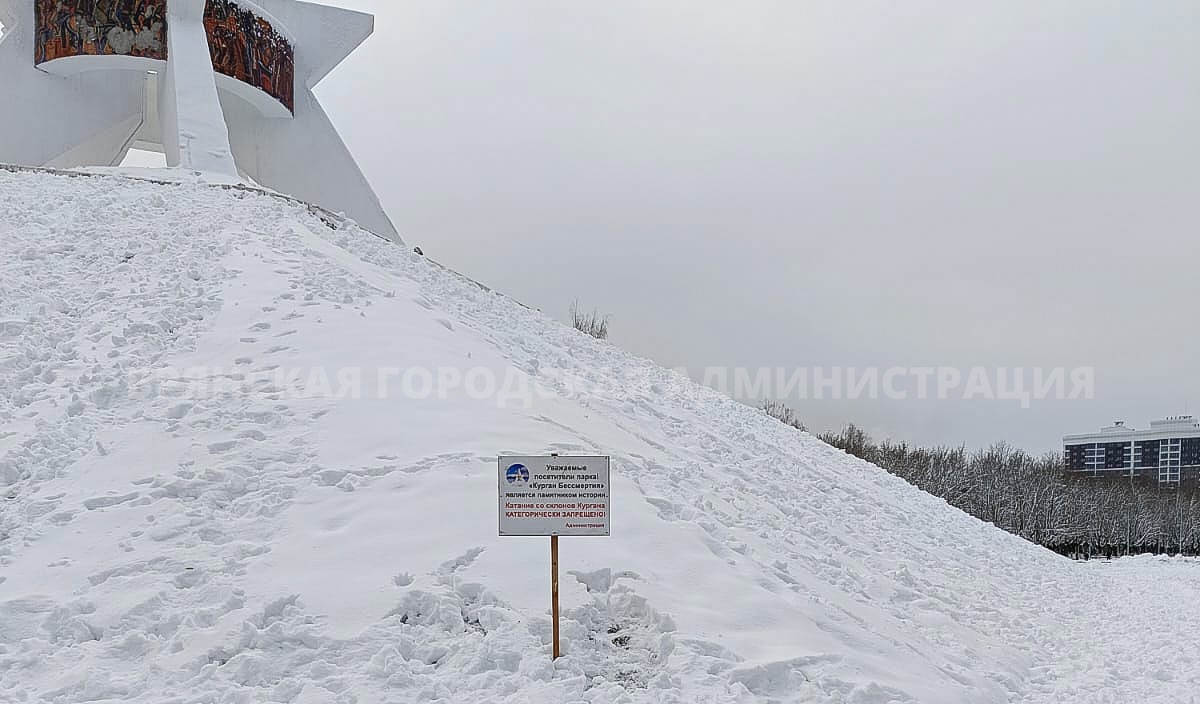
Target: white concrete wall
(47, 119)
(195, 136)
(106, 148)
(304, 157)
(308, 158)
(92, 115)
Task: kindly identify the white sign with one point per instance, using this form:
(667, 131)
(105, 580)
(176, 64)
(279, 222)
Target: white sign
(554, 496)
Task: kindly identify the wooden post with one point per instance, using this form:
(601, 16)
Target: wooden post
(554, 592)
(554, 588)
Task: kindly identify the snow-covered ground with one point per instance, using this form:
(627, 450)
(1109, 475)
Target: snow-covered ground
(221, 480)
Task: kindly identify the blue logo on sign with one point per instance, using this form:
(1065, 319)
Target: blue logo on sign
(516, 474)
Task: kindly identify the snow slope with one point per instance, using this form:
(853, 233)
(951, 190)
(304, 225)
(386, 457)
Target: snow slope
(219, 482)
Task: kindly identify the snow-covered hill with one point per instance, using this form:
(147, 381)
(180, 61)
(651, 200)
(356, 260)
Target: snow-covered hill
(223, 479)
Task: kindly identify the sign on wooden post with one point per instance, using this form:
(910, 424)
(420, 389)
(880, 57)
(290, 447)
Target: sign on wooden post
(554, 496)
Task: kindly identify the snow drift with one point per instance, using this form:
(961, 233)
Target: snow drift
(247, 454)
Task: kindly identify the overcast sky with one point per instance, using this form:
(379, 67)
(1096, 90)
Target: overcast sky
(797, 184)
(801, 184)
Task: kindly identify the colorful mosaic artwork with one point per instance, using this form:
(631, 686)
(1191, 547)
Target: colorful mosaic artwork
(99, 27)
(245, 46)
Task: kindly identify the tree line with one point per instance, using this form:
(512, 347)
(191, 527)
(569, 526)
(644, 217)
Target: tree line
(1035, 497)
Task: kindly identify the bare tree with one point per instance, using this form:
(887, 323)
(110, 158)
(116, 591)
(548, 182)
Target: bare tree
(1037, 499)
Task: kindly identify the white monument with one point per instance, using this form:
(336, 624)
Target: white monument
(222, 87)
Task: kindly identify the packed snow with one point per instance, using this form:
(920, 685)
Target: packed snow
(248, 454)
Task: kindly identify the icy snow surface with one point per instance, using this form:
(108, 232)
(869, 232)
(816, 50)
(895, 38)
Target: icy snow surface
(182, 519)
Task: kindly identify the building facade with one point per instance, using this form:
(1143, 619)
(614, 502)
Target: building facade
(1168, 451)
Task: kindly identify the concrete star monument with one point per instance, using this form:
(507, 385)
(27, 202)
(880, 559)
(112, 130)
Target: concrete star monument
(222, 87)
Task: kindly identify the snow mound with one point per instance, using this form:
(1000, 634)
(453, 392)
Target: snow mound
(247, 454)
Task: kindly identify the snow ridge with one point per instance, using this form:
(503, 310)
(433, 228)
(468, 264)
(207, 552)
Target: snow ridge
(185, 519)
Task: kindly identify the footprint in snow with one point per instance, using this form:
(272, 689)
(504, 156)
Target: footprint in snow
(62, 518)
(107, 501)
(178, 411)
(464, 560)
